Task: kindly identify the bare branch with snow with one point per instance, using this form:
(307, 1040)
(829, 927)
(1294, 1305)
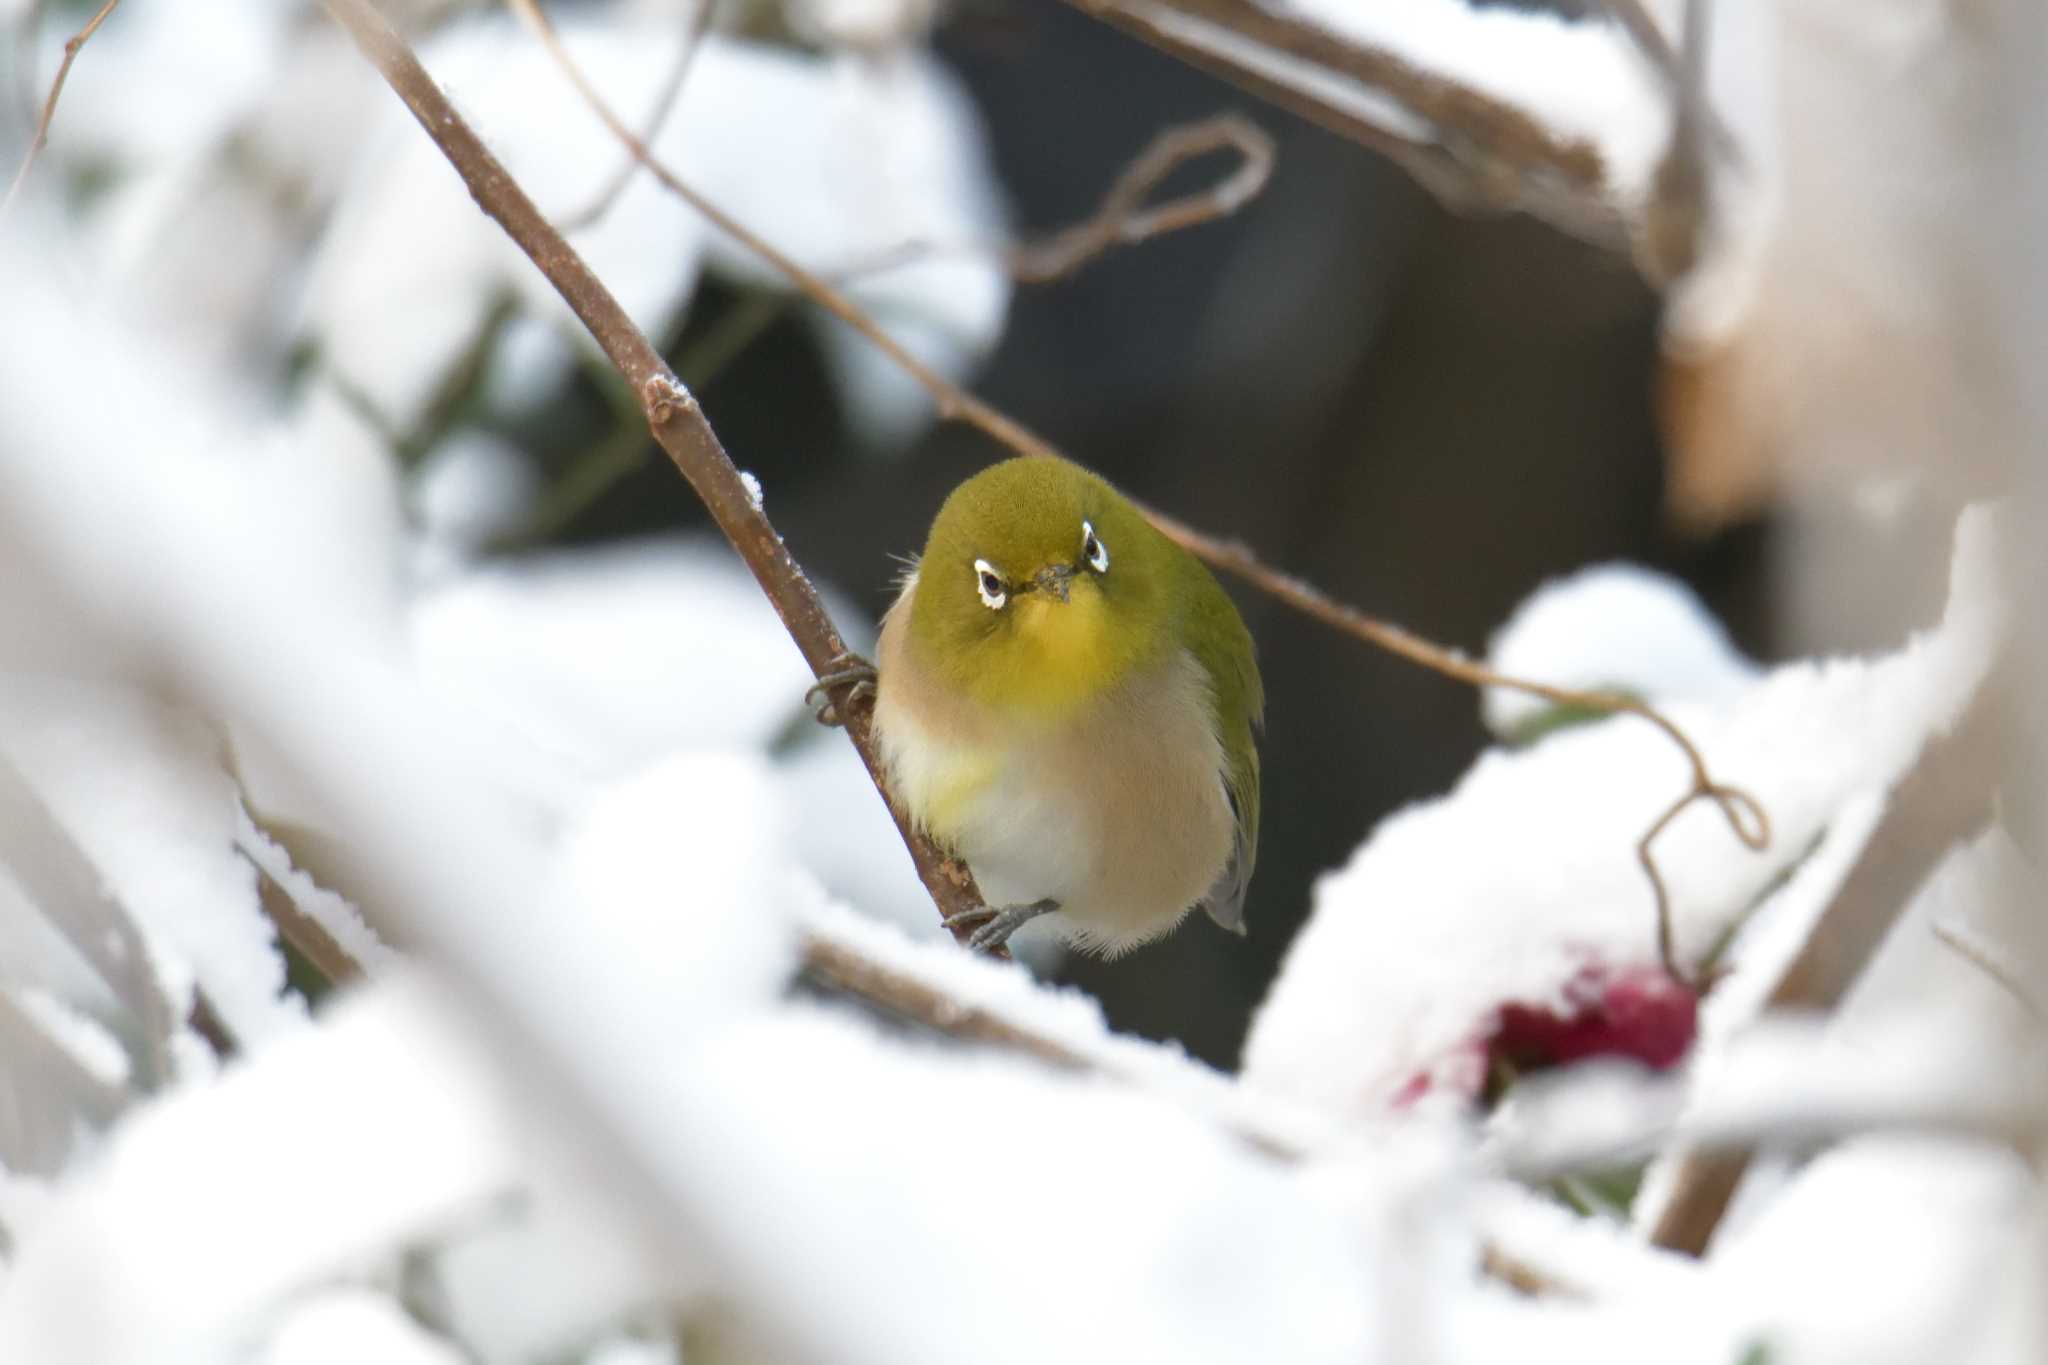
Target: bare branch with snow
(1947, 797)
(1490, 110)
(672, 413)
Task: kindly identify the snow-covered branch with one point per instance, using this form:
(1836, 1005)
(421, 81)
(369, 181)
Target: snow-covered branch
(1947, 797)
(1489, 108)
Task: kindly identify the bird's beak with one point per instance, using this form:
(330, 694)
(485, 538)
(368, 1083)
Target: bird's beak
(1056, 579)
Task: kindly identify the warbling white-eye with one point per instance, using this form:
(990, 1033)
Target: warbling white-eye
(1066, 699)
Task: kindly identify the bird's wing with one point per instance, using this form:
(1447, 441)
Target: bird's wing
(1224, 649)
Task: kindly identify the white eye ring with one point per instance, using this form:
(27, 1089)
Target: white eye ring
(989, 584)
(1093, 550)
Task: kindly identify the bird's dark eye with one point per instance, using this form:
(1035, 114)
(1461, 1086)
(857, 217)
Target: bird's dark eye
(989, 583)
(1093, 552)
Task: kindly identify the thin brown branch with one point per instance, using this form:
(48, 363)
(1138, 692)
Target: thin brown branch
(1123, 218)
(1524, 1276)
(205, 1021)
(1486, 155)
(1744, 814)
(41, 139)
(919, 1002)
(672, 413)
(1946, 798)
(306, 935)
(1970, 946)
(1643, 30)
(1677, 213)
(664, 105)
(1680, 73)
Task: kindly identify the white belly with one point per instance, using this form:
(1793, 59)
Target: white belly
(1118, 813)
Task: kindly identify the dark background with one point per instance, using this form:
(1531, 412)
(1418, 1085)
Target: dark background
(1427, 416)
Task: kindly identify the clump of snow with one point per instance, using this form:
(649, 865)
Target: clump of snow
(1988, 890)
(330, 910)
(349, 1326)
(81, 1036)
(601, 661)
(1584, 81)
(631, 1351)
(1502, 892)
(1269, 1262)
(680, 863)
(141, 787)
(753, 486)
(864, 24)
(1926, 1035)
(471, 488)
(1068, 1019)
(1592, 1258)
(1933, 1230)
(607, 656)
(51, 1098)
(846, 838)
(549, 1269)
(1768, 941)
(1612, 627)
(1606, 1114)
(329, 490)
(66, 935)
(175, 1269)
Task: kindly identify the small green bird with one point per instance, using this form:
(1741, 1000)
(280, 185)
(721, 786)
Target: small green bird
(1067, 699)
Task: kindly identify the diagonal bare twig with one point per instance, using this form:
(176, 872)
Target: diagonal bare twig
(1680, 198)
(1744, 814)
(1123, 218)
(1679, 71)
(664, 105)
(1995, 961)
(42, 137)
(672, 413)
(58, 878)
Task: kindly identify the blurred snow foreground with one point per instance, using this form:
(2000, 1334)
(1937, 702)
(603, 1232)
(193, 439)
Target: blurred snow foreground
(585, 1118)
(575, 1110)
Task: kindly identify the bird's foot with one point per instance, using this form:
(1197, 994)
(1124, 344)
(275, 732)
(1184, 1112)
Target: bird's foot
(850, 680)
(993, 924)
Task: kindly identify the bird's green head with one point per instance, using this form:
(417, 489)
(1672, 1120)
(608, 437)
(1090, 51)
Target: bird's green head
(1041, 587)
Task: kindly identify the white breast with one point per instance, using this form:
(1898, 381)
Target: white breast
(1118, 813)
